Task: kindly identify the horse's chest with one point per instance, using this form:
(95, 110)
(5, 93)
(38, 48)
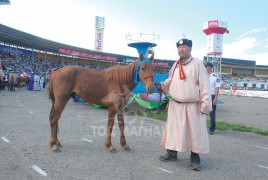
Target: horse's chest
(117, 98)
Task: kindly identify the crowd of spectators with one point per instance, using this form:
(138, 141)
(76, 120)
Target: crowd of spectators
(229, 81)
(29, 65)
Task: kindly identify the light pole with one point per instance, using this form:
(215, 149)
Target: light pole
(99, 32)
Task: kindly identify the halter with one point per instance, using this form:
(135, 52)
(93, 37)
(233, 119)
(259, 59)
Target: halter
(137, 71)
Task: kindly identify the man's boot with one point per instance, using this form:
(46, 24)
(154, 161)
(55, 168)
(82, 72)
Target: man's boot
(169, 156)
(195, 161)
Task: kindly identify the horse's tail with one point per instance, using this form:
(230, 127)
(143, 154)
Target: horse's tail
(11, 82)
(51, 96)
(50, 90)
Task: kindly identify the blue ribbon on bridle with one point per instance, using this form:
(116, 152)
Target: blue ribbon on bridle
(136, 74)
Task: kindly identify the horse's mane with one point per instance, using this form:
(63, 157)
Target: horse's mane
(122, 73)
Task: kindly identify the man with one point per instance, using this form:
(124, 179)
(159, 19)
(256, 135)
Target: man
(3, 65)
(31, 83)
(36, 85)
(214, 90)
(2, 75)
(188, 86)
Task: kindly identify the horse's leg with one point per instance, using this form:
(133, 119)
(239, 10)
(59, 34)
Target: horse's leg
(54, 117)
(120, 117)
(110, 124)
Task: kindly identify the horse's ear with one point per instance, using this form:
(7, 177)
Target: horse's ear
(151, 52)
(141, 56)
(152, 57)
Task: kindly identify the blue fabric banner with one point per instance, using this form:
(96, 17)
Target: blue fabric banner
(140, 88)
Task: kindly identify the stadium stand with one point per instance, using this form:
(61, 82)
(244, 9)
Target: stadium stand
(4, 2)
(23, 51)
(243, 74)
(19, 42)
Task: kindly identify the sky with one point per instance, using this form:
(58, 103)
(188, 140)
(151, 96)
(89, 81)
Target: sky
(72, 22)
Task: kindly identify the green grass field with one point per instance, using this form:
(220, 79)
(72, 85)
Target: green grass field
(221, 125)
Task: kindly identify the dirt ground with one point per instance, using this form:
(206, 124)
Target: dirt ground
(237, 109)
(24, 143)
(245, 110)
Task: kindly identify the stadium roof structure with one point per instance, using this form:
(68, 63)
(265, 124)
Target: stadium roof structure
(11, 36)
(18, 38)
(238, 62)
(4, 2)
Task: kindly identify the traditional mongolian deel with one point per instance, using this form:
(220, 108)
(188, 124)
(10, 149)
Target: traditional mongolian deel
(188, 107)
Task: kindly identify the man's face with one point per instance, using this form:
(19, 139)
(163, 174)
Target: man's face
(184, 51)
(209, 69)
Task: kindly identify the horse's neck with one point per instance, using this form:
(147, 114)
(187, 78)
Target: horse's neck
(12, 77)
(131, 70)
(124, 75)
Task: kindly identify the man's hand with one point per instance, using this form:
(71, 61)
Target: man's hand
(158, 86)
(214, 102)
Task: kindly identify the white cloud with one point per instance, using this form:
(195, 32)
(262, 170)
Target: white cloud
(237, 50)
(256, 30)
(239, 47)
(261, 59)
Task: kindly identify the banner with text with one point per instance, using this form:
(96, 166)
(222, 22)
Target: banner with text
(86, 55)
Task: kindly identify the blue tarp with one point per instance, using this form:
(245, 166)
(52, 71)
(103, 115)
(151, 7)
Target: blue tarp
(140, 88)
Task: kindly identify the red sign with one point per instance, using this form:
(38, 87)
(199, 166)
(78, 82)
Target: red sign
(160, 63)
(65, 51)
(100, 57)
(99, 41)
(110, 58)
(213, 23)
(86, 55)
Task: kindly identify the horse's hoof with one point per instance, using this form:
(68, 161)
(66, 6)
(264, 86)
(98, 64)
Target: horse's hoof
(55, 148)
(59, 144)
(127, 148)
(112, 150)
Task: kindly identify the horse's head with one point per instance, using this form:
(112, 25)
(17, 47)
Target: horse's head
(145, 71)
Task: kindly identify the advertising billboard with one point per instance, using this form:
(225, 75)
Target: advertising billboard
(214, 44)
(99, 40)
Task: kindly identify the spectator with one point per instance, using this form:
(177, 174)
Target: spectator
(3, 65)
(31, 83)
(36, 82)
(214, 90)
(2, 75)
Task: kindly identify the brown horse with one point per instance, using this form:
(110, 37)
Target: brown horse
(110, 88)
(25, 80)
(12, 81)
